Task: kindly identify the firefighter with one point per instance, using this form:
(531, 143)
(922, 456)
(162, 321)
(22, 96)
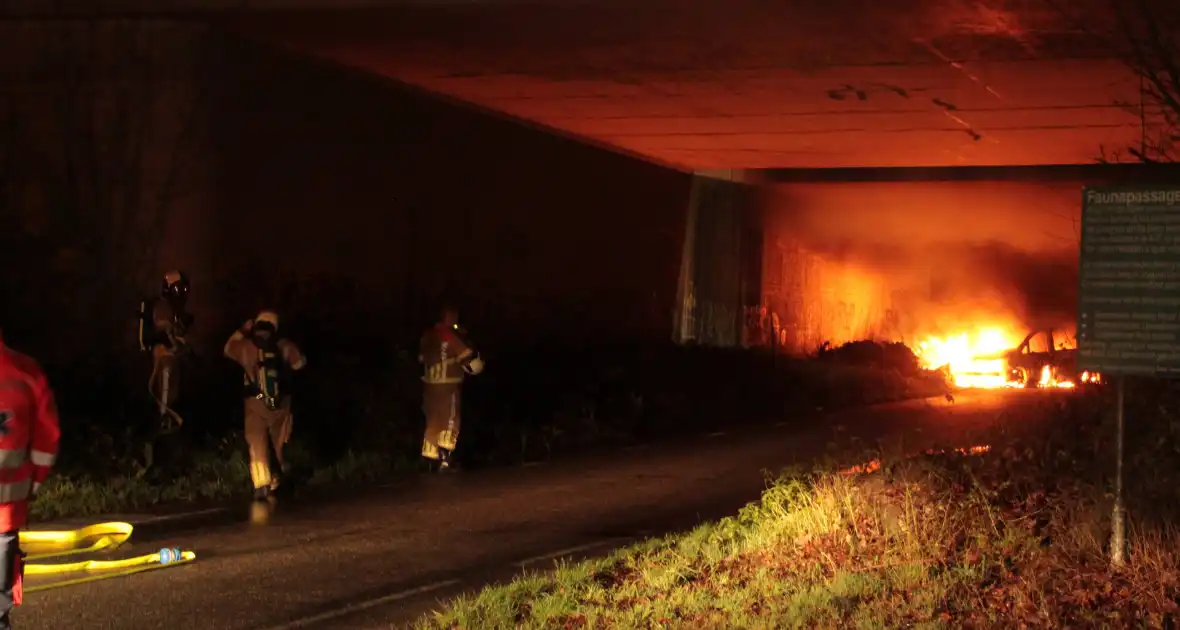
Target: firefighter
(28, 448)
(265, 358)
(445, 358)
(163, 324)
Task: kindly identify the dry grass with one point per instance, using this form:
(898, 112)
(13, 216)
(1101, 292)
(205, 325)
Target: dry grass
(1013, 537)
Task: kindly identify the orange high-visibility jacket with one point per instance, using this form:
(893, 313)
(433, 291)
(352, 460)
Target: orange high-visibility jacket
(29, 434)
(442, 353)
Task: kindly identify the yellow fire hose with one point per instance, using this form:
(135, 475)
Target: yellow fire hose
(42, 545)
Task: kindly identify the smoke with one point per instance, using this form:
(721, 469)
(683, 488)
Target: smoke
(1041, 286)
(944, 256)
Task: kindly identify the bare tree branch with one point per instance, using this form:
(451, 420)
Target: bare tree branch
(1141, 34)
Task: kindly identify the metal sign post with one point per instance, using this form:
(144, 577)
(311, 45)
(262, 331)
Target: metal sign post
(1118, 518)
(1129, 301)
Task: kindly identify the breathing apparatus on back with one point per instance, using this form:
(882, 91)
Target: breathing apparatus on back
(173, 290)
(268, 371)
(164, 342)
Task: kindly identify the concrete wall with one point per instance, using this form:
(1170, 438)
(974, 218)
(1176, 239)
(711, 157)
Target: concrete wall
(102, 177)
(326, 173)
(304, 186)
(720, 267)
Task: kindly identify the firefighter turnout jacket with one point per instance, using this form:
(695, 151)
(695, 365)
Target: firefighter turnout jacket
(446, 358)
(242, 350)
(29, 435)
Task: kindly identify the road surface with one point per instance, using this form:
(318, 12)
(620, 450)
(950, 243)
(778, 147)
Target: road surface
(387, 557)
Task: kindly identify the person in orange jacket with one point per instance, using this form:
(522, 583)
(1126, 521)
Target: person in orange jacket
(446, 357)
(29, 435)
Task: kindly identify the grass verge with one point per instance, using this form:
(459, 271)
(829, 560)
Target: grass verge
(1013, 537)
(210, 479)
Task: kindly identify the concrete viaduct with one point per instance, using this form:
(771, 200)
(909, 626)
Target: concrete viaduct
(737, 92)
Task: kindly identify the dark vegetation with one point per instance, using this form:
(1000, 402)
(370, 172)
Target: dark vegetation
(358, 418)
(1015, 536)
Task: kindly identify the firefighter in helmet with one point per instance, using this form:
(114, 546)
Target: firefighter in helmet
(164, 323)
(446, 357)
(265, 358)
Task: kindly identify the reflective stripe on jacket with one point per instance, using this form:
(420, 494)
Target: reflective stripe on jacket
(29, 435)
(442, 354)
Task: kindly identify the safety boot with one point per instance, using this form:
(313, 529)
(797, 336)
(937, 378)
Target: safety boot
(276, 478)
(262, 494)
(444, 461)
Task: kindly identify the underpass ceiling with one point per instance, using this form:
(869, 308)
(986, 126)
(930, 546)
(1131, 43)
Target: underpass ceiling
(714, 84)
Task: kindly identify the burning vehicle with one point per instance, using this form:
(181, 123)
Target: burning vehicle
(1048, 365)
(990, 360)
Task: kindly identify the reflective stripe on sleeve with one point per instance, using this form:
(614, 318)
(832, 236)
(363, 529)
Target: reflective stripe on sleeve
(441, 381)
(15, 491)
(43, 459)
(12, 459)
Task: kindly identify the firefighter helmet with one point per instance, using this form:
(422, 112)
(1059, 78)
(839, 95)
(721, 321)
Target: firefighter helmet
(175, 285)
(268, 319)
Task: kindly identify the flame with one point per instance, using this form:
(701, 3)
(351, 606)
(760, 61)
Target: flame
(971, 360)
(1049, 379)
(977, 360)
(842, 299)
(874, 465)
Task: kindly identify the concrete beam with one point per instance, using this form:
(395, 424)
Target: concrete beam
(737, 176)
(66, 9)
(1112, 173)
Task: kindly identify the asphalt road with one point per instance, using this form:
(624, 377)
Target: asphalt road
(386, 557)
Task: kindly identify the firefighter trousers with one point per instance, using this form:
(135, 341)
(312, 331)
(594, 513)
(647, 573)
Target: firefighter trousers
(165, 375)
(266, 428)
(440, 404)
(10, 577)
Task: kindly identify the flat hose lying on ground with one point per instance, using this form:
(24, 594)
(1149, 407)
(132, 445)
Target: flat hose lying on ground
(42, 545)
